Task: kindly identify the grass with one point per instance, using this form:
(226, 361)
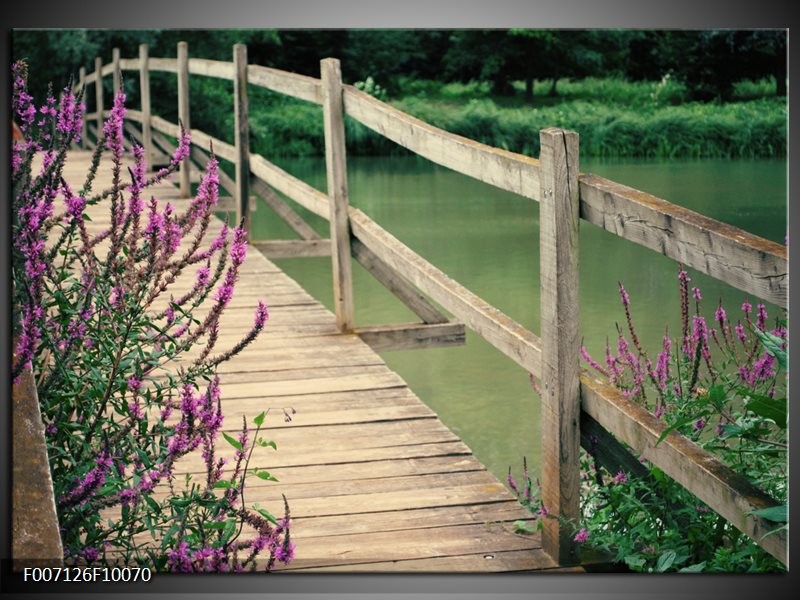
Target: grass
(614, 118)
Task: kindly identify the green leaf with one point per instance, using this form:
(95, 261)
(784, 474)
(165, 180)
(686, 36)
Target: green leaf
(152, 504)
(777, 514)
(523, 527)
(265, 444)
(774, 409)
(665, 561)
(232, 441)
(259, 420)
(265, 476)
(266, 514)
(696, 568)
(215, 524)
(772, 344)
(635, 562)
(224, 485)
(676, 425)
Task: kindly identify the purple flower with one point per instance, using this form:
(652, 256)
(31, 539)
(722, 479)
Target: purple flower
(113, 126)
(91, 554)
(262, 314)
(747, 308)
(239, 246)
(285, 552)
(696, 293)
(761, 321)
(593, 363)
(512, 482)
(582, 536)
(660, 411)
(620, 478)
(720, 315)
(699, 424)
(740, 332)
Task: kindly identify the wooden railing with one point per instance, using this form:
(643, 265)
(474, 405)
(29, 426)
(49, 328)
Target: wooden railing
(575, 405)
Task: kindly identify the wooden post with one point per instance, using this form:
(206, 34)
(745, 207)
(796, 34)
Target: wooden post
(558, 218)
(336, 165)
(98, 94)
(241, 137)
(183, 112)
(116, 73)
(84, 131)
(144, 92)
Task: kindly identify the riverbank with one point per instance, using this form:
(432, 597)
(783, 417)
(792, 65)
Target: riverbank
(614, 119)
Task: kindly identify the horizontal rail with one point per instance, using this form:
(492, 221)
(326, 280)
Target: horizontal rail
(509, 171)
(129, 64)
(211, 68)
(199, 138)
(291, 84)
(502, 332)
(293, 248)
(725, 491)
(745, 261)
(305, 195)
(741, 259)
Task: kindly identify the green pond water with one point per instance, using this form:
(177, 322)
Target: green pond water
(488, 241)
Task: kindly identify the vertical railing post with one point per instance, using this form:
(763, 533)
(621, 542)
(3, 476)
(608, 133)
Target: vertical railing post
(336, 166)
(183, 112)
(98, 94)
(116, 73)
(144, 92)
(241, 136)
(558, 218)
(82, 82)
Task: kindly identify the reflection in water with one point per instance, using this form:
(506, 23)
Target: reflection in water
(488, 240)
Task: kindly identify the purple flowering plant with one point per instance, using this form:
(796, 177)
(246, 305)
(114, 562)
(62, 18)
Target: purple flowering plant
(125, 365)
(722, 383)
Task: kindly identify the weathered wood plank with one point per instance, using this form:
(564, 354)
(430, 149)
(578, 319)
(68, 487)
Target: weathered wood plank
(291, 84)
(293, 248)
(241, 134)
(410, 336)
(506, 170)
(183, 115)
(169, 65)
(129, 64)
(741, 259)
(505, 334)
(336, 168)
(302, 193)
(116, 73)
(404, 291)
(144, 93)
(558, 276)
(284, 211)
(729, 494)
(212, 68)
(98, 95)
(82, 81)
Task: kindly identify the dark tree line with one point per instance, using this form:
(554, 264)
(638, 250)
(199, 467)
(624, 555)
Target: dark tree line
(708, 62)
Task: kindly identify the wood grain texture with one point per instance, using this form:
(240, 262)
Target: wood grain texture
(502, 332)
(183, 115)
(291, 84)
(741, 259)
(241, 134)
(558, 243)
(116, 72)
(98, 94)
(144, 93)
(336, 168)
(410, 336)
(506, 170)
(283, 210)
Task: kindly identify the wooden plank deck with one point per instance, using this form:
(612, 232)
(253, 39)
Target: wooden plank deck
(374, 480)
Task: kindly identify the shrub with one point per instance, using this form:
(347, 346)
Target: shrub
(126, 369)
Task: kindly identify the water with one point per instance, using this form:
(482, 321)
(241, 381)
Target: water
(487, 240)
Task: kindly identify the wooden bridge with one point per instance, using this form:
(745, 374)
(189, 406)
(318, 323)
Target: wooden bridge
(375, 481)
